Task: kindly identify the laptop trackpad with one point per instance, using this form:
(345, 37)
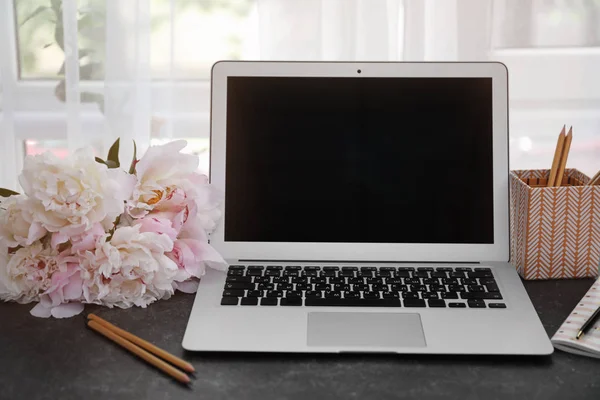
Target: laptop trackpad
(356, 329)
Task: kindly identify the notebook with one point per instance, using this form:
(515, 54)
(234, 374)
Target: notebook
(588, 344)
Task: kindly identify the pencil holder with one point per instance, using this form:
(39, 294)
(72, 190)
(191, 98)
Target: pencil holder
(555, 231)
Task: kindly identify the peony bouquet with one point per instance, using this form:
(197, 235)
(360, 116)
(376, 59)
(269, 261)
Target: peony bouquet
(86, 231)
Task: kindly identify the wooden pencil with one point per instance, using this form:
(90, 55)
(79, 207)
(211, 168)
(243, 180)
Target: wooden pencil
(557, 156)
(141, 353)
(563, 159)
(595, 179)
(176, 361)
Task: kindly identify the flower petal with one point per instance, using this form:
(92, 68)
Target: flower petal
(40, 311)
(190, 286)
(67, 310)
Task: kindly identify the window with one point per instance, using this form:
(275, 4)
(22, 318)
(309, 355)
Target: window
(552, 50)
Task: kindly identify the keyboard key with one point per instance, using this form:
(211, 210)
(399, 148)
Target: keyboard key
(249, 301)
(268, 286)
(348, 274)
(333, 295)
(444, 269)
(254, 293)
(425, 269)
(291, 273)
(430, 281)
(229, 301)
(449, 295)
(242, 286)
(497, 305)
(272, 272)
(437, 288)
(293, 293)
(406, 269)
(336, 280)
(304, 286)
(438, 274)
(341, 287)
(492, 287)
(483, 269)
(242, 279)
(469, 281)
(403, 274)
(436, 303)
(255, 267)
(237, 267)
(476, 303)
(421, 274)
(450, 281)
(361, 287)
(352, 302)
(412, 281)
(316, 294)
(351, 295)
(485, 281)
(414, 303)
(235, 272)
(312, 268)
(328, 273)
(457, 305)
(480, 274)
(299, 279)
(322, 286)
(476, 288)
(331, 268)
(254, 272)
(379, 287)
(318, 279)
(458, 274)
(285, 286)
(261, 279)
(400, 288)
(268, 301)
(233, 293)
(368, 269)
(463, 269)
(349, 268)
(274, 268)
(481, 296)
(391, 295)
(356, 281)
(293, 268)
(429, 295)
(384, 274)
(371, 295)
(456, 288)
(274, 293)
(310, 273)
(410, 295)
(418, 288)
(375, 280)
(294, 301)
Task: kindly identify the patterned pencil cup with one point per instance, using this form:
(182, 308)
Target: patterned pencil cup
(555, 231)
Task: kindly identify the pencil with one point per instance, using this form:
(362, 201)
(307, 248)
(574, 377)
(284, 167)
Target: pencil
(141, 353)
(176, 361)
(563, 159)
(595, 179)
(557, 157)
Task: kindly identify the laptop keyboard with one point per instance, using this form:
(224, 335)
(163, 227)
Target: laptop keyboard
(313, 286)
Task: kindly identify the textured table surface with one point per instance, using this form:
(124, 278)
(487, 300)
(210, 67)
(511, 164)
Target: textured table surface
(61, 359)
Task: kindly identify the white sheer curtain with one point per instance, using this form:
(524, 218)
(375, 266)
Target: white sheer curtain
(141, 71)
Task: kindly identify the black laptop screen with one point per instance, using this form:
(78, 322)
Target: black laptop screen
(359, 160)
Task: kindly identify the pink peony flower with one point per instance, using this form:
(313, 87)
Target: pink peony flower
(192, 256)
(85, 241)
(17, 225)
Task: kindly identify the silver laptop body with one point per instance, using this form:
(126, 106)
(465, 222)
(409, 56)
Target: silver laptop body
(366, 210)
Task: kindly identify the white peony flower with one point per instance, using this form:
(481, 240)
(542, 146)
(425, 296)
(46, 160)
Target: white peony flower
(17, 227)
(27, 273)
(167, 180)
(73, 194)
(130, 269)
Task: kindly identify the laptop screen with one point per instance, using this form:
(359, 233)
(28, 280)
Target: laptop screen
(359, 160)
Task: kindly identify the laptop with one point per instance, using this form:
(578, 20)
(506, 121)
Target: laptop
(366, 210)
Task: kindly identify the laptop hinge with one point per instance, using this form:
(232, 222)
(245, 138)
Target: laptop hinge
(358, 261)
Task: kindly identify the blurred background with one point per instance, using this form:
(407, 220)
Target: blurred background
(84, 72)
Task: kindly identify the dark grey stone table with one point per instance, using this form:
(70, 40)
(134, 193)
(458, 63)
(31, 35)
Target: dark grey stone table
(61, 359)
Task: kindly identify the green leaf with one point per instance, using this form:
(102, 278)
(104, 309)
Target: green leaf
(113, 154)
(111, 164)
(35, 13)
(100, 161)
(134, 161)
(7, 192)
